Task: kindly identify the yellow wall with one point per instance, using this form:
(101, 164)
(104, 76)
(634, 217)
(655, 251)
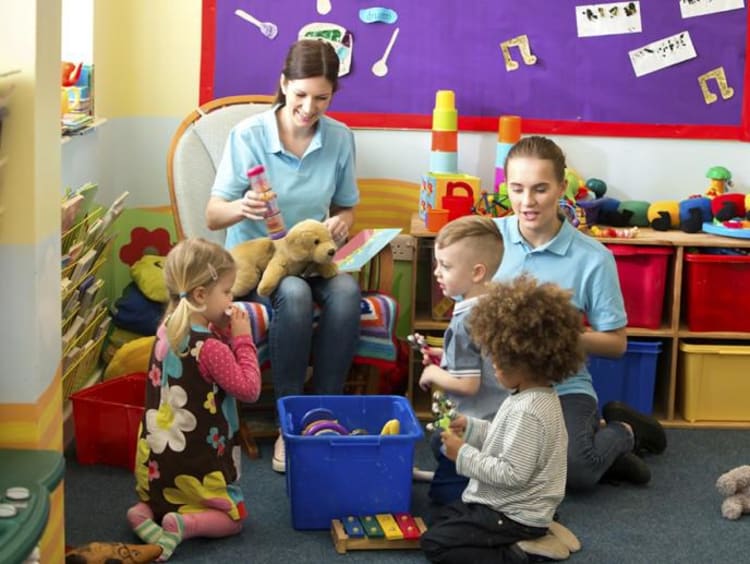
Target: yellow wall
(147, 57)
(31, 409)
(31, 45)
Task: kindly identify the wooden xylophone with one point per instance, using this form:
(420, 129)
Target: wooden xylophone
(382, 531)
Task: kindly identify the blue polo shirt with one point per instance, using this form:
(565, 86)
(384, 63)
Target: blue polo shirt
(576, 262)
(306, 188)
(463, 359)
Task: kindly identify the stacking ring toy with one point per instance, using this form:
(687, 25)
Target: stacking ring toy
(327, 427)
(316, 414)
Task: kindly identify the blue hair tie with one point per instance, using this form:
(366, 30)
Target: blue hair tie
(183, 295)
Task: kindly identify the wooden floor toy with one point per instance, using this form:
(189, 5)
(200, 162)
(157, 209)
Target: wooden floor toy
(383, 531)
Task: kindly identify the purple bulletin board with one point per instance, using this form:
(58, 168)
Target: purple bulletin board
(577, 86)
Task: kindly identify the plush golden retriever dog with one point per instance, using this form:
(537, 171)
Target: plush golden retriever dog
(307, 248)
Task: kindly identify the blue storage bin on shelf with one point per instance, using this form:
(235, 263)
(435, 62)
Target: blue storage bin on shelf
(332, 476)
(629, 379)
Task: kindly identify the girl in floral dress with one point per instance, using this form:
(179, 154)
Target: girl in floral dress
(204, 360)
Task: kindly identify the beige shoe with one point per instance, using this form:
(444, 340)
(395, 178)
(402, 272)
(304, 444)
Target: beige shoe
(548, 546)
(565, 535)
(278, 462)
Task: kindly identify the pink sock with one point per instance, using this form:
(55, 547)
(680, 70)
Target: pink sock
(209, 523)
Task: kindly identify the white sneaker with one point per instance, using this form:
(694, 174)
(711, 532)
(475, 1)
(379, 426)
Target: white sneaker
(278, 462)
(419, 475)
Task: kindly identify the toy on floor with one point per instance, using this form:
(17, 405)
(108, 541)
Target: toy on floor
(113, 553)
(382, 531)
(735, 486)
(443, 411)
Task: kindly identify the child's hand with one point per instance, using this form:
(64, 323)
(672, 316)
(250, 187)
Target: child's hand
(452, 444)
(239, 322)
(431, 355)
(427, 378)
(458, 425)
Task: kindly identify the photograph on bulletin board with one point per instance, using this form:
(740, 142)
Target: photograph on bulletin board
(650, 68)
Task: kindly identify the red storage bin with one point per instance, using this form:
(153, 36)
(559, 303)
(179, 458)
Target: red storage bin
(106, 417)
(716, 294)
(643, 275)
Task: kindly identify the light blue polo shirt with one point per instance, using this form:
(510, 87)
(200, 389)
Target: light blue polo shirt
(576, 262)
(306, 188)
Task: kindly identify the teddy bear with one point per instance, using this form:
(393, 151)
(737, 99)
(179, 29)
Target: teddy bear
(735, 486)
(307, 248)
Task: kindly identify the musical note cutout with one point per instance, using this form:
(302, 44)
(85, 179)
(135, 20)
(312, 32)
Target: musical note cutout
(522, 42)
(720, 77)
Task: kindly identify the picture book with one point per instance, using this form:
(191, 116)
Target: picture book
(356, 253)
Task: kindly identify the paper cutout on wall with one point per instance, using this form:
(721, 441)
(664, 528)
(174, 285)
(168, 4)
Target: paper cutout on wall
(336, 35)
(615, 18)
(720, 77)
(323, 6)
(522, 42)
(663, 53)
(692, 8)
(380, 67)
(378, 15)
(268, 29)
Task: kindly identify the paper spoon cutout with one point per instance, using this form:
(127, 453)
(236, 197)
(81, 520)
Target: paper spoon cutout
(323, 6)
(266, 28)
(380, 67)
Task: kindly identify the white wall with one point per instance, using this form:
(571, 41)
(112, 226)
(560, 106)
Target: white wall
(131, 155)
(634, 168)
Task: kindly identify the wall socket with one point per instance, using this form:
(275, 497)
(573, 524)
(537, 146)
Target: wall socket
(403, 247)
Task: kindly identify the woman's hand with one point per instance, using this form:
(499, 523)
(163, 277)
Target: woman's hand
(253, 205)
(338, 228)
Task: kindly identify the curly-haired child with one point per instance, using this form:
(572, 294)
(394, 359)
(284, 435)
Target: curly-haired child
(468, 251)
(517, 463)
(203, 361)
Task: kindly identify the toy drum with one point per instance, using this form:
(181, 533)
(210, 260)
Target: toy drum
(458, 205)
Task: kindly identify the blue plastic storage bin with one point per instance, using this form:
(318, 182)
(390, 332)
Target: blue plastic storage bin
(330, 476)
(629, 379)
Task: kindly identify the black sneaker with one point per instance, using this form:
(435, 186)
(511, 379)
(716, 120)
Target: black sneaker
(649, 434)
(628, 468)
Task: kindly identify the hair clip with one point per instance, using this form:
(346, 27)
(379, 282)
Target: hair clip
(212, 272)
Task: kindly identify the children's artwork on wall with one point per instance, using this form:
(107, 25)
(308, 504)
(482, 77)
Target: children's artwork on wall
(564, 66)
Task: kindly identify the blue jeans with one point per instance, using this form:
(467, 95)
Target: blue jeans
(591, 449)
(292, 340)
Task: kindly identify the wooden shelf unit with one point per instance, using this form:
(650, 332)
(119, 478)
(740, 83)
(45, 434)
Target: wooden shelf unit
(673, 329)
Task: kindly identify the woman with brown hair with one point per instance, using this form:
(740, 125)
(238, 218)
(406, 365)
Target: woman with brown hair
(309, 160)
